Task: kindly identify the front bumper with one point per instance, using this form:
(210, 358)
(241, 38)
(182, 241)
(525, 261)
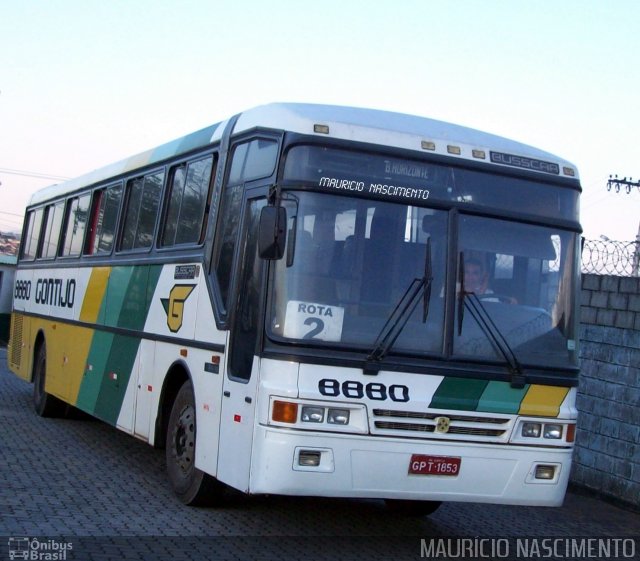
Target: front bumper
(378, 467)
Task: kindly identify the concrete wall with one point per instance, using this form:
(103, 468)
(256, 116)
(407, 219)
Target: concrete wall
(607, 456)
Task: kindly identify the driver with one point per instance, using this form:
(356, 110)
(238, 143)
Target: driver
(476, 278)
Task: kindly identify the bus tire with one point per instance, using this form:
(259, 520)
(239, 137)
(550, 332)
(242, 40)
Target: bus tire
(412, 508)
(191, 485)
(45, 404)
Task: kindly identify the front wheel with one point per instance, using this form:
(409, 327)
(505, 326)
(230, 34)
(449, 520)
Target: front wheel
(45, 404)
(191, 485)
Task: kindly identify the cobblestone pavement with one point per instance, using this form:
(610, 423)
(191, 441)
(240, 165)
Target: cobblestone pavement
(80, 489)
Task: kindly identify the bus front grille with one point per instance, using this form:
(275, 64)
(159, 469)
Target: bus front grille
(438, 425)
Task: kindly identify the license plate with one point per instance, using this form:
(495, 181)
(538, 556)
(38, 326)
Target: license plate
(434, 465)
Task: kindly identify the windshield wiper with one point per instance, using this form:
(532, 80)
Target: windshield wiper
(471, 301)
(399, 316)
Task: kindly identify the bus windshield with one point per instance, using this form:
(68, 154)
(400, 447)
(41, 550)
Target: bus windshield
(349, 261)
(522, 278)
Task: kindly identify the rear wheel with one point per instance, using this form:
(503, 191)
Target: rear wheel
(192, 486)
(45, 404)
(412, 508)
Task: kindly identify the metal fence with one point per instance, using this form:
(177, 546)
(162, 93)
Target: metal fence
(606, 257)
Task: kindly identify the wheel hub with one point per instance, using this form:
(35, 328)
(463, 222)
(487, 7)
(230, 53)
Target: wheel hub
(184, 439)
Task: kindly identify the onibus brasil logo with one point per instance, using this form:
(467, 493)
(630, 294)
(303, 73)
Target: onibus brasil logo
(38, 549)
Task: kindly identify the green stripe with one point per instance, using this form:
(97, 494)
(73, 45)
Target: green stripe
(116, 292)
(96, 365)
(126, 305)
(184, 144)
(458, 393)
(137, 298)
(117, 373)
(500, 397)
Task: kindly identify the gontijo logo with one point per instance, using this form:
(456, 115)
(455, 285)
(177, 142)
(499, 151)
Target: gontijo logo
(174, 305)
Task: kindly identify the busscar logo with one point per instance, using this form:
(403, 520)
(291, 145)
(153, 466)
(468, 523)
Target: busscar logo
(174, 305)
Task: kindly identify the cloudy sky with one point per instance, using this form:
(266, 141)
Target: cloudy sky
(86, 82)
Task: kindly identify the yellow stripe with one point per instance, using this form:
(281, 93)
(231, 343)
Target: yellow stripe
(76, 358)
(543, 401)
(67, 351)
(94, 294)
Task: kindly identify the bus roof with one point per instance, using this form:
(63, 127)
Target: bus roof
(372, 126)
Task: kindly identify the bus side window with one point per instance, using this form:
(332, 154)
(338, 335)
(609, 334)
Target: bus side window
(141, 211)
(94, 220)
(187, 203)
(104, 214)
(75, 225)
(53, 223)
(32, 235)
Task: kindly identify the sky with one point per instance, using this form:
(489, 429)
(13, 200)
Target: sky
(84, 83)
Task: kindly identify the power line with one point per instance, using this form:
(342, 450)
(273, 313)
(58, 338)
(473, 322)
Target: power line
(617, 184)
(35, 174)
(12, 214)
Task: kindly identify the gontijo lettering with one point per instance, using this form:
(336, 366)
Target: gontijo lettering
(56, 292)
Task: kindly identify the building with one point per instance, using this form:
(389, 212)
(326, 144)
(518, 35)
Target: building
(7, 272)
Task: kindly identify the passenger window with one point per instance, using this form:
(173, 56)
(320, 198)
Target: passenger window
(187, 203)
(104, 216)
(141, 211)
(53, 224)
(76, 224)
(32, 235)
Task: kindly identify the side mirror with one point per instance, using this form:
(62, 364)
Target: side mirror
(272, 235)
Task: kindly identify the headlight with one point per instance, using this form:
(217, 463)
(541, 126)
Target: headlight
(338, 416)
(318, 415)
(534, 432)
(312, 414)
(531, 430)
(552, 431)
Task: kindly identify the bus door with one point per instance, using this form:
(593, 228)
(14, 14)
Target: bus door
(241, 380)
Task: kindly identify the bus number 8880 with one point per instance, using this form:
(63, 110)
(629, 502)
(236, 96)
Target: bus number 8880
(357, 390)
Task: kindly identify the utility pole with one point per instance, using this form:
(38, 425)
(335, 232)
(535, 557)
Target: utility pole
(628, 185)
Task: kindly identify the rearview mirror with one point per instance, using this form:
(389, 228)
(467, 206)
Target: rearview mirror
(272, 235)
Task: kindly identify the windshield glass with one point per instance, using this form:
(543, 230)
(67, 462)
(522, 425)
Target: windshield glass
(523, 278)
(352, 262)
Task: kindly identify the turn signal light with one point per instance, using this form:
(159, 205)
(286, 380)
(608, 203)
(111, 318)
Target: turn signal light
(284, 412)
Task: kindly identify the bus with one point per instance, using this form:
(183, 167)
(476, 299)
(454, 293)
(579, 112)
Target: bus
(316, 300)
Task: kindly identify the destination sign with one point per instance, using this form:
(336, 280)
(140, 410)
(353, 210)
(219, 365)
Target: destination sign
(413, 181)
(374, 188)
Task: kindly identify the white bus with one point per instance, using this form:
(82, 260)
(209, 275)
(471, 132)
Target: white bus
(317, 300)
